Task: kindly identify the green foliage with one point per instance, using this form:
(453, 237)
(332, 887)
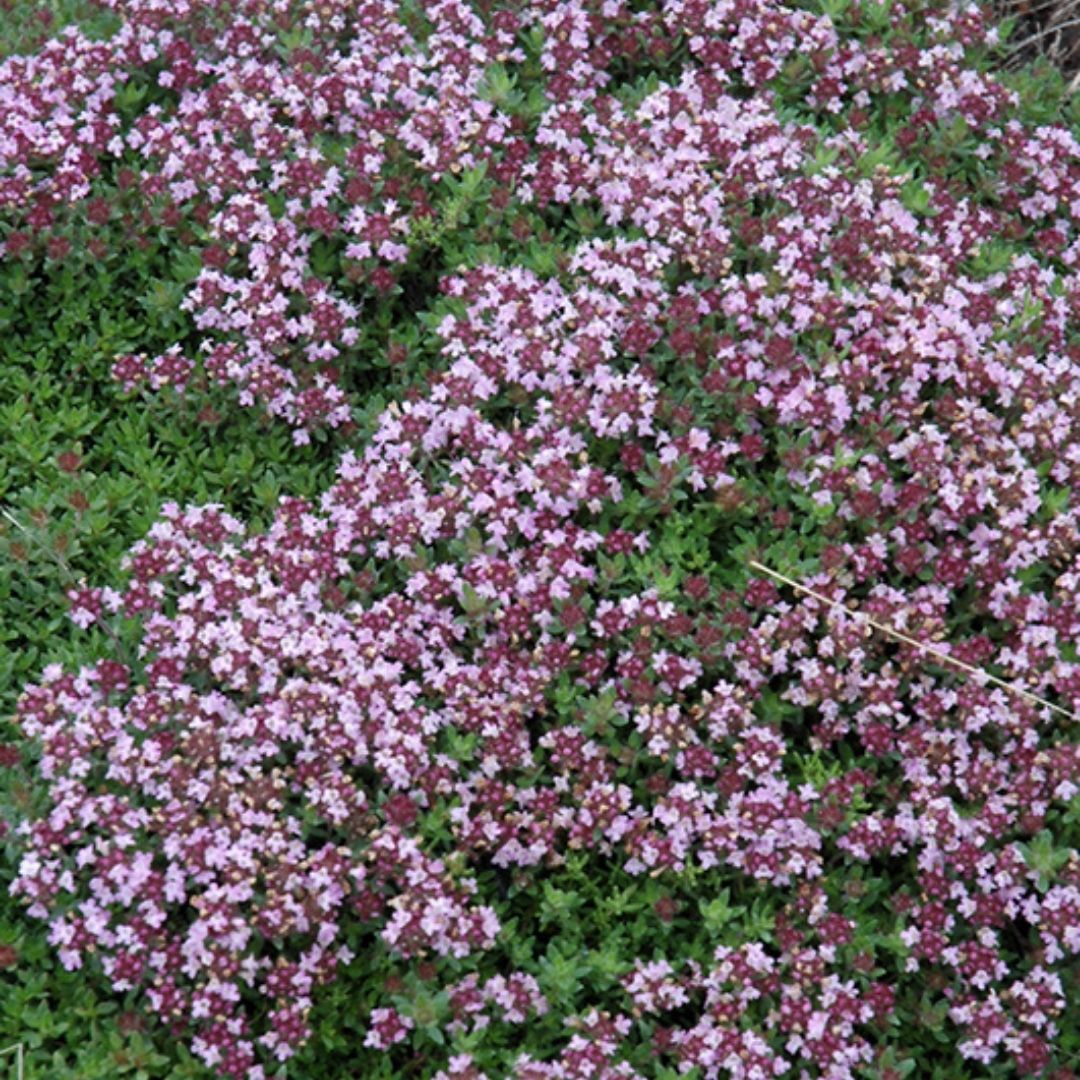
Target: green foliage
(84, 470)
(24, 24)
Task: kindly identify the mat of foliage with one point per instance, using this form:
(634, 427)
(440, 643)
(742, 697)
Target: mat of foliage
(396, 394)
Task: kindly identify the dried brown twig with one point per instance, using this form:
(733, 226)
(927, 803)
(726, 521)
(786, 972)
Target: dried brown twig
(1044, 30)
(939, 654)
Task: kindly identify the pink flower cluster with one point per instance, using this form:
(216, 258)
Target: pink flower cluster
(513, 999)
(244, 152)
(268, 151)
(765, 299)
(318, 673)
(315, 675)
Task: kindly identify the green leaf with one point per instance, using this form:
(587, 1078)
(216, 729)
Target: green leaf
(915, 197)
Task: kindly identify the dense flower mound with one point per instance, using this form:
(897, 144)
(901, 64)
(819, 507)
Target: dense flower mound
(514, 641)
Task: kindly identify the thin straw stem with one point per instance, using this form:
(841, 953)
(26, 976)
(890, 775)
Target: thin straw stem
(68, 573)
(939, 654)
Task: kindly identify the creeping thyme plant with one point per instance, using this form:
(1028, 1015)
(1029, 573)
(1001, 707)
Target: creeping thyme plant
(436, 371)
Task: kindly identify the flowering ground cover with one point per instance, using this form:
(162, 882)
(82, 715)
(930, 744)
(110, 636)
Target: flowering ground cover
(398, 394)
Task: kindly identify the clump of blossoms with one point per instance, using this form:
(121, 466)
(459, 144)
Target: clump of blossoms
(316, 674)
(271, 151)
(769, 319)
